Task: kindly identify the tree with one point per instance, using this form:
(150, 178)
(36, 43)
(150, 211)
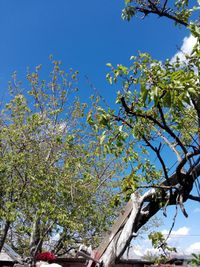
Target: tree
(159, 243)
(158, 115)
(53, 190)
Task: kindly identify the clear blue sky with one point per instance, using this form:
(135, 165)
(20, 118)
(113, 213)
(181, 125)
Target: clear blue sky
(85, 35)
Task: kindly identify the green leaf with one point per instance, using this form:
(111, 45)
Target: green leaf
(109, 65)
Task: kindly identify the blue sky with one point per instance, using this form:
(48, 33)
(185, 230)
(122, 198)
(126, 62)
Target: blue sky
(85, 35)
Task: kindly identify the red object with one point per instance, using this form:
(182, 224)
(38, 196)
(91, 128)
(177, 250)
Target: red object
(45, 256)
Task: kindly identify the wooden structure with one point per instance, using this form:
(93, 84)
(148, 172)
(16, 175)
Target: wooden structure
(8, 257)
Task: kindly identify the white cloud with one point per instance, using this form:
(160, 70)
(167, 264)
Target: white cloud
(193, 248)
(186, 48)
(183, 231)
(138, 251)
(134, 252)
(152, 251)
(177, 239)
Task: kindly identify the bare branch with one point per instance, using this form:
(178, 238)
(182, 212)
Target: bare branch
(157, 151)
(161, 13)
(172, 146)
(173, 223)
(163, 126)
(185, 160)
(195, 198)
(164, 6)
(167, 129)
(42, 238)
(153, 6)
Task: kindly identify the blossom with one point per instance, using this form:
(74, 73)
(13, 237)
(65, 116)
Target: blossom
(45, 256)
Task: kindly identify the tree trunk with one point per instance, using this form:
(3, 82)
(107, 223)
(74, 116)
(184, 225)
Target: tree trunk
(123, 237)
(35, 237)
(145, 207)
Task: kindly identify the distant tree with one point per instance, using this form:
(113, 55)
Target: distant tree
(156, 122)
(150, 256)
(55, 188)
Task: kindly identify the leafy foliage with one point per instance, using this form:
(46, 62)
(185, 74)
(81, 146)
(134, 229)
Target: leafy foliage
(56, 173)
(156, 102)
(159, 242)
(195, 260)
(179, 11)
(154, 127)
(53, 190)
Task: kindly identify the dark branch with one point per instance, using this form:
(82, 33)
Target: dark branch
(154, 203)
(118, 118)
(145, 116)
(195, 198)
(170, 131)
(196, 105)
(185, 160)
(163, 126)
(157, 151)
(164, 6)
(161, 13)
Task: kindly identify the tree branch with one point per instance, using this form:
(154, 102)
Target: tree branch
(196, 105)
(145, 116)
(141, 214)
(195, 198)
(166, 127)
(164, 6)
(39, 244)
(161, 13)
(185, 160)
(170, 145)
(163, 126)
(157, 151)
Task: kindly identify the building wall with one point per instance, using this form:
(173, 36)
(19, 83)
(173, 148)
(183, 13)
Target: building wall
(78, 262)
(6, 263)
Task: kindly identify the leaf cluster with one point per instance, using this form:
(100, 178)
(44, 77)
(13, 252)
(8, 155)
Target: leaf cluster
(52, 187)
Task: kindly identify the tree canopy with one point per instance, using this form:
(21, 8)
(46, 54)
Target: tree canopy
(55, 190)
(157, 117)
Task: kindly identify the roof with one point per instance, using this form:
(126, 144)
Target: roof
(5, 257)
(8, 254)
